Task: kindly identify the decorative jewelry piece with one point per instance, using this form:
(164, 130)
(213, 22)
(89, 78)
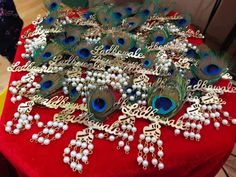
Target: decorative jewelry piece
(134, 59)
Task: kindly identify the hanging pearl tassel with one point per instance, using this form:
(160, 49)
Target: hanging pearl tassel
(153, 146)
(53, 130)
(127, 133)
(24, 86)
(22, 119)
(79, 149)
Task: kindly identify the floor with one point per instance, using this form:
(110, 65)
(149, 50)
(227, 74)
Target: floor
(28, 11)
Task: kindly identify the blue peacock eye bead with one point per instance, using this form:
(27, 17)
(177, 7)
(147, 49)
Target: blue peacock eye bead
(74, 92)
(53, 6)
(182, 22)
(147, 63)
(129, 10)
(69, 40)
(212, 69)
(47, 55)
(46, 85)
(84, 53)
(160, 40)
(146, 12)
(120, 41)
(99, 105)
(49, 20)
(191, 53)
(164, 105)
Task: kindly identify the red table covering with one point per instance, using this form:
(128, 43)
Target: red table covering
(183, 158)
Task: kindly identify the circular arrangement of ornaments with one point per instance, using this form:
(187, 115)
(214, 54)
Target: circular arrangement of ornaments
(135, 60)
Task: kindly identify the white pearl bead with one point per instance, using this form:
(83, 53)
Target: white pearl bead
(207, 122)
(146, 150)
(160, 166)
(84, 145)
(139, 159)
(67, 150)
(13, 99)
(145, 163)
(127, 148)
(191, 135)
(7, 129)
(209, 107)
(125, 135)
(148, 139)
(18, 98)
(129, 127)
(100, 135)
(65, 127)
(199, 126)
(84, 159)
(121, 143)
(17, 114)
(197, 136)
(160, 153)
(45, 130)
(73, 165)
(226, 114)
(159, 142)
(79, 167)
(78, 156)
(46, 142)
(58, 135)
(60, 125)
(66, 160)
(73, 154)
(202, 119)
(177, 131)
(233, 121)
(187, 124)
(154, 140)
(186, 134)
(154, 162)
(140, 147)
(37, 117)
(86, 152)
(217, 114)
(9, 123)
(40, 124)
(51, 131)
(55, 124)
(30, 118)
(134, 129)
(40, 139)
(78, 143)
(131, 138)
(27, 126)
(212, 115)
(214, 106)
(50, 123)
(204, 107)
(225, 122)
(73, 142)
(111, 138)
(151, 149)
(219, 107)
(90, 147)
(142, 136)
(217, 124)
(206, 115)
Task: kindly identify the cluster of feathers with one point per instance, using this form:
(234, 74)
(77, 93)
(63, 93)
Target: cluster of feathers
(121, 25)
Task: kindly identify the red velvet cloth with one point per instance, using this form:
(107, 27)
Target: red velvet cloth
(182, 158)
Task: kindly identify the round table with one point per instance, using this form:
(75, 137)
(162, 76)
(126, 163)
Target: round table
(183, 158)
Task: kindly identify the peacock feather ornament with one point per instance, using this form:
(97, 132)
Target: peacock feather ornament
(130, 59)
